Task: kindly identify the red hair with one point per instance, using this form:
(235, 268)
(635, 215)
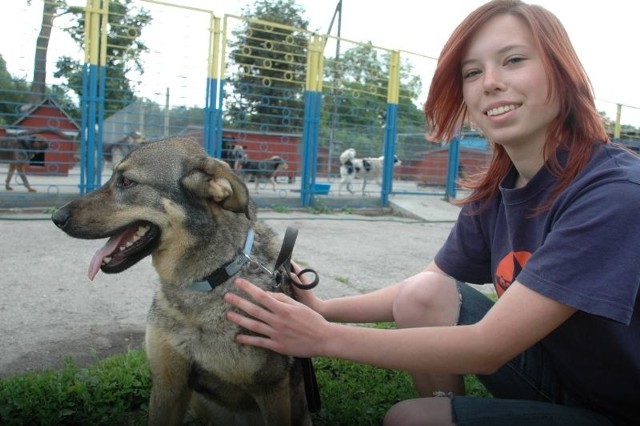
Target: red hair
(577, 126)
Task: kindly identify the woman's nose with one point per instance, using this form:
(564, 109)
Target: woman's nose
(493, 80)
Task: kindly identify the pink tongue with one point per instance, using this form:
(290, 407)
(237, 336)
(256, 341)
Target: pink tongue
(109, 247)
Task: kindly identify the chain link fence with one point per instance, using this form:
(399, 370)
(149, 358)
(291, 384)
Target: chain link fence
(159, 70)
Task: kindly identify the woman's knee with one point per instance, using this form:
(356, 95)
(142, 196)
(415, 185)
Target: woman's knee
(427, 299)
(420, 411)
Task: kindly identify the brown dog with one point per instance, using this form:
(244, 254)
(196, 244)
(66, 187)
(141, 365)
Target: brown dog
(261, 169)
(193, 215)
(17, 151)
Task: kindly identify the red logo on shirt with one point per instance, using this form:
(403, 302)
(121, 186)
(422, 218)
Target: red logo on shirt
(509, 268)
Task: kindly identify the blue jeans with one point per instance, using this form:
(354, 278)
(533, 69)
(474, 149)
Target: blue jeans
(526, 390)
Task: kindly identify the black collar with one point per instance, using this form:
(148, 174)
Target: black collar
(226, 271)
(281, 270)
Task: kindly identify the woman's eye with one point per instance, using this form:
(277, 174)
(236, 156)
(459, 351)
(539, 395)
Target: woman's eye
(515, 60)
(470, 74)
(124, 182)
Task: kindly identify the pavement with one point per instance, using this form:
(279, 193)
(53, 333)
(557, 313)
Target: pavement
(50, 311)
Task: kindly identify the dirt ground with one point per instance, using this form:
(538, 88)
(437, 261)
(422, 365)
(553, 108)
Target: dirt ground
(49, 310)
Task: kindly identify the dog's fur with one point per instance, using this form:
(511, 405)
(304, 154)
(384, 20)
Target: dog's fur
(17, 151)
(197, 213)
(369, 168)
(261, 169)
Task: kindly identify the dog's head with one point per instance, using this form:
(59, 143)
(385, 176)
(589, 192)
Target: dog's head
(396, 160)
(32, 143)
(278, 162)
(159, 200)
(37, 143)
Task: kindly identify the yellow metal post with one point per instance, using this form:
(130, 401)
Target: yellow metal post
(393, 95)
(616, 130)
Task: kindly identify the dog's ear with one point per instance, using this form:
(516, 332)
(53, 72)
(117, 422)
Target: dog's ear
(213, 179)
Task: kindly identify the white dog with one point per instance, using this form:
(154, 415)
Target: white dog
(369, 168)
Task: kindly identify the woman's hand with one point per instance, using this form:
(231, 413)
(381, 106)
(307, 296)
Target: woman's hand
(307, 297)
(282, 324)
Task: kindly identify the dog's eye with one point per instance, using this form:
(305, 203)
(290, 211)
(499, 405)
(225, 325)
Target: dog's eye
(124, 182)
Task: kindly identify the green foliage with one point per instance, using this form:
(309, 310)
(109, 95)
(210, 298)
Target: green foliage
(320, 206)
(116, 391)
(124, 48)
(342, 280)
(355, 394)
(14, 92)
(355, 100)
(279, 208)
(267, 79)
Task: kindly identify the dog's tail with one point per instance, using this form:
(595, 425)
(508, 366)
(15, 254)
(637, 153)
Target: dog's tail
(348, 154)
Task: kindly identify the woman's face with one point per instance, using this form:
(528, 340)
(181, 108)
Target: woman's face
(505, 85)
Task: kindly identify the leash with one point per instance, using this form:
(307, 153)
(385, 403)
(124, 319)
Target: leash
(283, 264)
(282, 269)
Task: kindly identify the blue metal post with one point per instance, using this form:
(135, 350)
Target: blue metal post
(389, 153)
(452, 171)
(310, 146)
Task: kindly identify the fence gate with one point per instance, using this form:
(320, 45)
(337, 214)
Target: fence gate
(271, 89)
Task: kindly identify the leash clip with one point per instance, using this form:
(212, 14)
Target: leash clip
(283, 265)
(276, 276)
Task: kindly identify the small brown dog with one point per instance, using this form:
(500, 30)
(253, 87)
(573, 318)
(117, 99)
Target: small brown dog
(261, 169)
(17, 151)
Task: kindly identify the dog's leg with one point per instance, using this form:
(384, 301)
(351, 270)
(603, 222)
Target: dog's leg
(23, 177)
(275, 405)
(7, 182)
(345, 182)
(273, 182)
(170, 393)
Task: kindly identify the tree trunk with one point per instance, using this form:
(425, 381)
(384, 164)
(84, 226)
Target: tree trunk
(39, 83)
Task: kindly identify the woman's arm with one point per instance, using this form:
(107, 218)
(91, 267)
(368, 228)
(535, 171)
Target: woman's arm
(517, 321)
(375, 306)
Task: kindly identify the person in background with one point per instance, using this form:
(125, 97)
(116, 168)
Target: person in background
(552, 223)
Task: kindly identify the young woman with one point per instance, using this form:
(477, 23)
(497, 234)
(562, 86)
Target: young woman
(552, 223)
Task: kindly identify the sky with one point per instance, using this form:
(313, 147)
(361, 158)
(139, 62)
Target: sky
(605, 34)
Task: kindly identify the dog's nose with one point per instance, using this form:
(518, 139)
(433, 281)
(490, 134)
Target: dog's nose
(60, 217)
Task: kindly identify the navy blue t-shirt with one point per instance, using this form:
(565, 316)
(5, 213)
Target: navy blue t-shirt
(583, 252)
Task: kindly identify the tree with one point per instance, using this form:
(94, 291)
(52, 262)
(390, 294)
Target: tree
(39, 83)
(356, 93)
(268, 75)
(13, 92)
(123, 50)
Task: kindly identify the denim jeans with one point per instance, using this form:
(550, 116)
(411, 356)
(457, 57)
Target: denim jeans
(526, 390)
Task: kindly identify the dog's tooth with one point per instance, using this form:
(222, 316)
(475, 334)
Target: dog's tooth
(106, 260)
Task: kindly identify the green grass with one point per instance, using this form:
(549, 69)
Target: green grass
(115, 391)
